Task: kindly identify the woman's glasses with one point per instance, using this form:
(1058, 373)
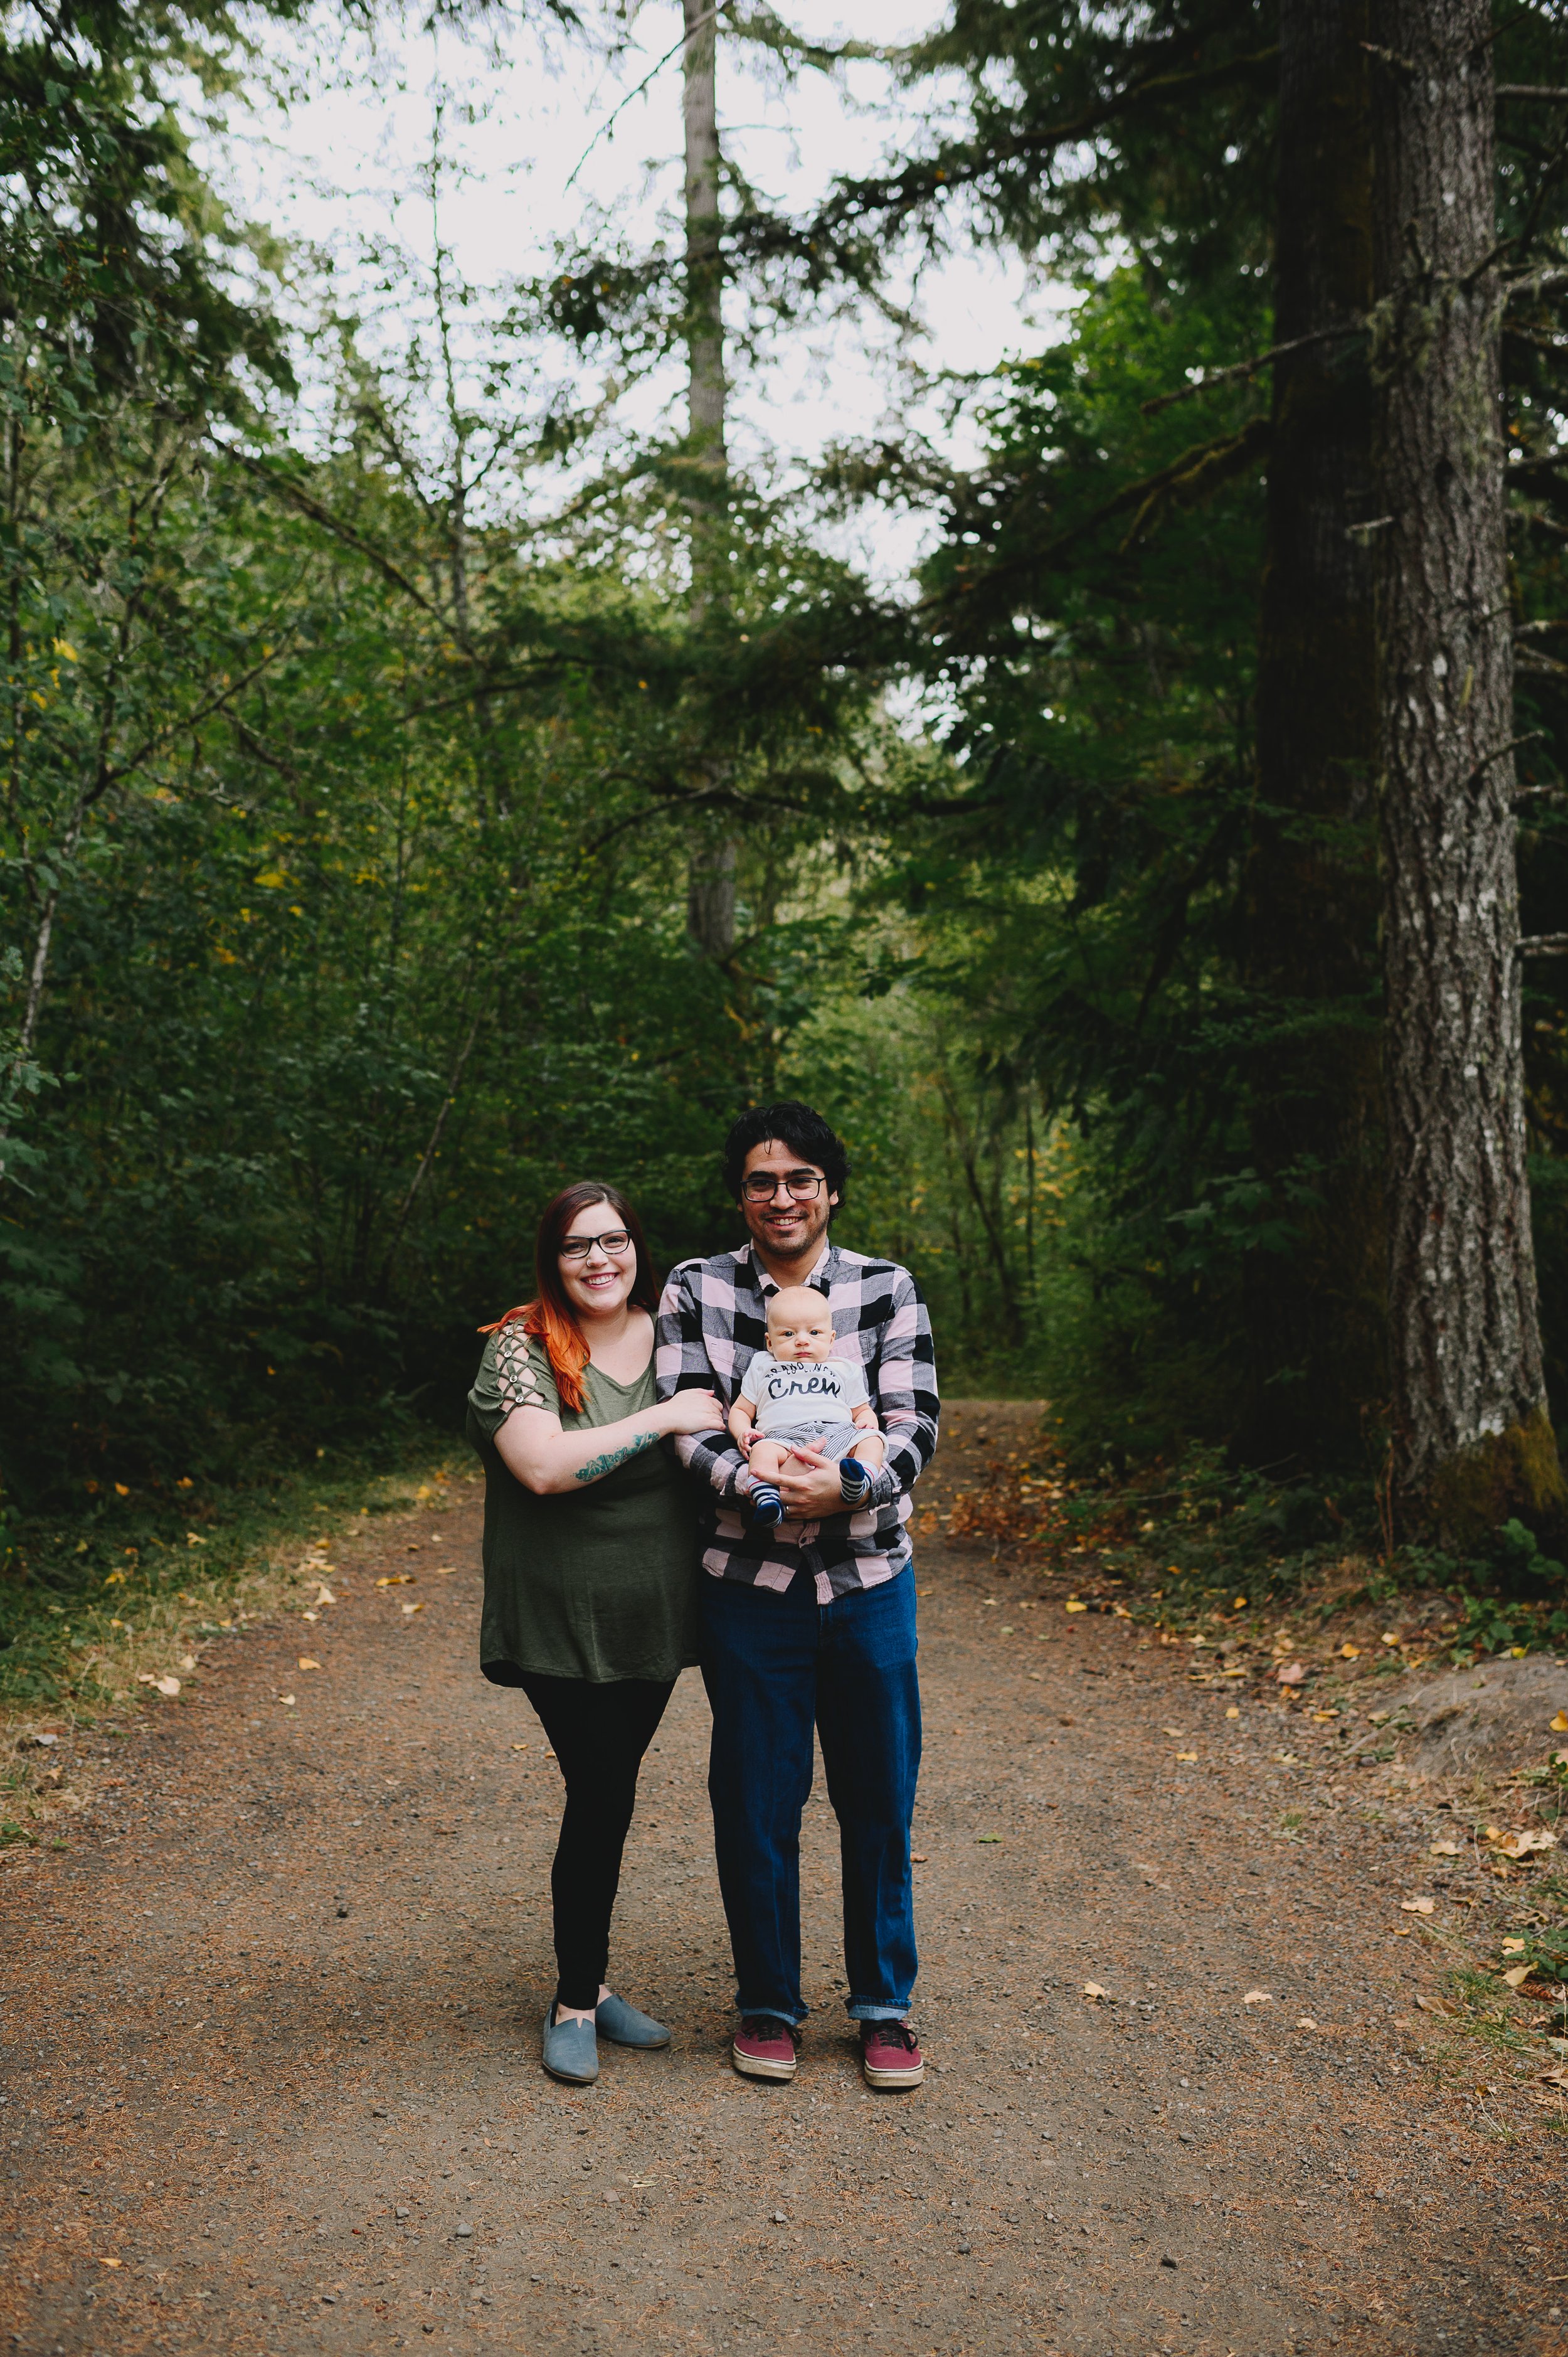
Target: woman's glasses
(802, 1185)
(612, 1243)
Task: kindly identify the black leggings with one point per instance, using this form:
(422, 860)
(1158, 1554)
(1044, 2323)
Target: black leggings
(599, 1734)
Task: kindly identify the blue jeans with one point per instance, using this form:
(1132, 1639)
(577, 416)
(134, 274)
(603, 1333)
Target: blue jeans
(773, 1665)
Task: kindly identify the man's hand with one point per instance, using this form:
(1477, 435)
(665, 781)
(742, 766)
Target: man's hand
(809, 1485)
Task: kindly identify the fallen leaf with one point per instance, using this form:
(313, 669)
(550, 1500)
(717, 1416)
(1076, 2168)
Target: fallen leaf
(306, 1663)
(444, 1570)
(1390, 1638)
(1430, 2005)
(1560, 1758)
(169, 1686)
(1184, 1755)
(396, 1579)
(1513, 1947)
(1348, 1652)
(1092, 1989)
(324, 1595)
(1517, 1975)
(287, 1700)
(1560, 1724)
(1076, 1607)
(412, 1608)
(1445, 1849)
(310, 1616)
(1307, 2022)
(1321, 1714)
(520, 1747)
(187, 1661)
(111, 2262)
(1288, 1757)
(1233, 1712)
(1556, 2077)
(1291, 1673)
(1172, 1730)
(1417, 1905)
(919, 1857)
(1521, 1845)
(1257, 1997)
(987, 1837)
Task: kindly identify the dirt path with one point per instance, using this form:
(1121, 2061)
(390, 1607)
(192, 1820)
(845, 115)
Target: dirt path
(269, 2028)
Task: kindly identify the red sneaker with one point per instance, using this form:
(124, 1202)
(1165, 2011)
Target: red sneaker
(765, 2047)
(889, 2055)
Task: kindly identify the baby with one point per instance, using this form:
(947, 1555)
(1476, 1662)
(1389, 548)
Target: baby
(796, 1391)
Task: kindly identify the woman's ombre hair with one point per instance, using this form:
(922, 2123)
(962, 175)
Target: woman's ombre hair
(550, 1315)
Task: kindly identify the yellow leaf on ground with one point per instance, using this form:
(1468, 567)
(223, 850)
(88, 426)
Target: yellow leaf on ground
(1517, 1975)
(919, 1857)
(287, 1700)
(1184, 1755)
(412, 1608)
(1560, 1724)
(306, 1662)
(111, 2262)
(1172, 1730)
(520, 1747)
(1291, 1673)
(1417, 1905)
(1430, 2005)
(1390, 1638)
(187, 1661)
(1307, 2022)
(1445, 1849)
(1530, 1838)
(324, 1595)
(1257, 1996)
(1513, 1947)
(1076, 1607)
(1092, 1989)
(444, 1570)
(1233, 1712)
(396, 1579)
(169, 1686)
(1348, 1652)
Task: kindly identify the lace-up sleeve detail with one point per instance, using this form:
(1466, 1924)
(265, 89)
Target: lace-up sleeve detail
(516, 1371)
(513, 1373)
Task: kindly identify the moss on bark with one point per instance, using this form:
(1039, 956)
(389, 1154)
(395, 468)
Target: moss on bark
(1512, 1473)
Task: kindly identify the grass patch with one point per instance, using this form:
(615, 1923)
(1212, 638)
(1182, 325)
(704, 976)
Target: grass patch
(132, 1587)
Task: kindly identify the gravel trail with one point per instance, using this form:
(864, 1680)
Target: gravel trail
(270, 2029)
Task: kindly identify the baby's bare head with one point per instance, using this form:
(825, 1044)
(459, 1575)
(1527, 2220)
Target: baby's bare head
(799, 1324)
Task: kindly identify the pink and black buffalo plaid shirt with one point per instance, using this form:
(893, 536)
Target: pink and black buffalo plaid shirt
(713, 1320)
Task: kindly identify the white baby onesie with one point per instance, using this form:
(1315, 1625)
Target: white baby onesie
(792, 1395)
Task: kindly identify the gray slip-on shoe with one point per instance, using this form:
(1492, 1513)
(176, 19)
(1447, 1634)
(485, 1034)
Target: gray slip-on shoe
(624, 2026)
(571, 2050)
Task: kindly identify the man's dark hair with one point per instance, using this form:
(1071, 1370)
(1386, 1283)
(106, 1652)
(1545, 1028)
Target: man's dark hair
(805, 1133)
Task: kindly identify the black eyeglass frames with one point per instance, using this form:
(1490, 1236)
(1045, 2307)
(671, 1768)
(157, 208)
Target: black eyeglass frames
(802, 1185)
(612, 1243)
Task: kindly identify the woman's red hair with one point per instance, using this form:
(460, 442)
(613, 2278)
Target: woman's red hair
(550, 1315)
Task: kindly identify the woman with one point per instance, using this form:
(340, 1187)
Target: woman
(590, 1568)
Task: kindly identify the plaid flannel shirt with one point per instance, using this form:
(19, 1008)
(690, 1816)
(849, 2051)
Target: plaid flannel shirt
(713, 1320)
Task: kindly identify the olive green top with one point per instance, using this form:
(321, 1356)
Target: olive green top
(598, 1583)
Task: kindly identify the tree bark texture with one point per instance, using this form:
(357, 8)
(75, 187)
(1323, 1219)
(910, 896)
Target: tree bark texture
(1315, 1316)
(704, 264)
(710, 891)
(1472, 1437)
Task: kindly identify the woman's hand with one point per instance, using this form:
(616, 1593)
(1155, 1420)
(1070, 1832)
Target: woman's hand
(690, 1412)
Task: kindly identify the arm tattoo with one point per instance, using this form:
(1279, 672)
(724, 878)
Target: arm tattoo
(599, 1466)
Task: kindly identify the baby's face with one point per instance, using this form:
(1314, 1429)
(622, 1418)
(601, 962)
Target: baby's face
(801, 1333)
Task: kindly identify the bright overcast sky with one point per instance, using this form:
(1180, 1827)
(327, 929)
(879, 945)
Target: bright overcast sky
(344, 167)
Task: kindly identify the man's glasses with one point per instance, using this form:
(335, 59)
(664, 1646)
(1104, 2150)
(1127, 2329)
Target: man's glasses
(802, 1185)
(612, 1243)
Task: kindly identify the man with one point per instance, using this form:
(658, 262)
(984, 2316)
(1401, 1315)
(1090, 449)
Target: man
(810, 1621)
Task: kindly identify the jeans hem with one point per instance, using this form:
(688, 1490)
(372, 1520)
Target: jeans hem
(865, 2009)
(772, 2013)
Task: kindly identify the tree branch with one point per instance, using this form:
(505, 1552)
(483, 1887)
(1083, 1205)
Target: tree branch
(1243, 369)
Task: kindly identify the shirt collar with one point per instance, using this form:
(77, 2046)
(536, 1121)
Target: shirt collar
(767, 1285)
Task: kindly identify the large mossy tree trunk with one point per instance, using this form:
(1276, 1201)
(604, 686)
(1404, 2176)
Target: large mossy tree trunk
(1473, 1440)
(1314, 1315)
(711, 874)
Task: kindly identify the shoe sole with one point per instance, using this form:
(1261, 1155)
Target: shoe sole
(569, 2078)
(636, 2045)
(893, 2078)
(752, 2066)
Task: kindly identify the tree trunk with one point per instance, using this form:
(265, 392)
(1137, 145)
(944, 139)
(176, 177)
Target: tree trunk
(1314, 1316)
(1473, 1440)
(709, 892)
